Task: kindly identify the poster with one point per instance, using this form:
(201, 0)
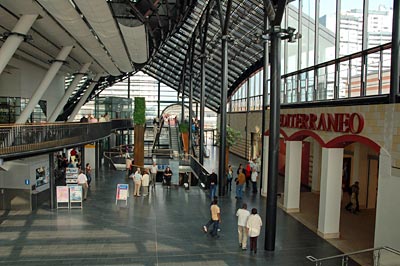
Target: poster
(71, 175)
(75, 193)
(62, 194)
(122, 191)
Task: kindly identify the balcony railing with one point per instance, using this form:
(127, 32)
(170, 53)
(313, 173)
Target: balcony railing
(362, 74)
(381, 256)
(23, 139)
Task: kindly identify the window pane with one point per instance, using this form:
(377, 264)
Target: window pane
(307, 39)
(327, 29)
(380, 16)
(351, 22)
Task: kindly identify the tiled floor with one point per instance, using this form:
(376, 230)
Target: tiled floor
(161, 229)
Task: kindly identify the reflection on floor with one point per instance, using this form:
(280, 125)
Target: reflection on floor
(356, 231)
(163, 228)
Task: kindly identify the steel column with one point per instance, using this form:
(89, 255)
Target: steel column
(158, 98)
(69, 91)
(97, 158)
(191, 50)
(52, 181)
(224, 93)
(222, 123)
(44, 84)
(203, 39)
(15, 39)
(83, 98)
(395, 61)
(273, 153)
(265, 88)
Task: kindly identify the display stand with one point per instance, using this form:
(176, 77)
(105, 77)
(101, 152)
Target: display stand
(62, 197)
(71, 175)
(122, 193)
(75, 196)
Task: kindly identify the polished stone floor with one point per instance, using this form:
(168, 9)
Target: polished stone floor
(161, 229)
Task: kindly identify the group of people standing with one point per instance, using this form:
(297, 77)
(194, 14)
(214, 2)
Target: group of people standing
(244, 176)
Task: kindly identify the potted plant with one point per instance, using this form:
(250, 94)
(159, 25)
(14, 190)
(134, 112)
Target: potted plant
(232, 136)
(139, 118)
(184, 130)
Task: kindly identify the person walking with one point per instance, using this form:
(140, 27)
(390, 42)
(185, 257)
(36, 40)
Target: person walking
(254, 177)
(353, 205)
(145, 182)
(253, 225)
(240, 181)
(82, 181)
(242, 215)
(213, 180)
(153, 175)
(229, 177)
(210, 221)
(88, 170)
(137, 178)
(216, 218)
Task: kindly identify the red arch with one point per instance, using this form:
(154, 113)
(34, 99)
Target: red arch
(283, 133)
(342, 141)
(302, 134)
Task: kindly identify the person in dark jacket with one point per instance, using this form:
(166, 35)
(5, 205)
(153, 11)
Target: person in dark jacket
(213, 180)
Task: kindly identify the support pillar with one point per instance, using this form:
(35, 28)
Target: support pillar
(264, 176)
(97, 158)
(15, 39)
(48, 78)
(330, 195)
(78, 77)
(83, 162)
(52, 179)
(291, 202)
(316, 168)
(274, 136)
(83, 98)
(395, 59)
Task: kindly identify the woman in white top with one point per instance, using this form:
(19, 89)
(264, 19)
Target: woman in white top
(254, 224)
(137, 178)
(145, 182)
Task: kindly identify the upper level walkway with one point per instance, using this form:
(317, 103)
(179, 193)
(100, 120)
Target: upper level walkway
(29, 139)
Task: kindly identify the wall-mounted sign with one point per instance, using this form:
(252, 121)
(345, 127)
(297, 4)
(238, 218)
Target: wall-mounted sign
(27, 181)
(338, 122)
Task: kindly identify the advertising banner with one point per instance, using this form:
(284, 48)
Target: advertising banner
(122, 191)
(62, 194)
(71, 175)
(75, 193)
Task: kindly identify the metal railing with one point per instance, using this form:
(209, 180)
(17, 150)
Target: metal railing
(27, 139)
(393, 256)
(361, 74)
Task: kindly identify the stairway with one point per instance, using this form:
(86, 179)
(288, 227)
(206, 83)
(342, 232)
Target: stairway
(174, 139)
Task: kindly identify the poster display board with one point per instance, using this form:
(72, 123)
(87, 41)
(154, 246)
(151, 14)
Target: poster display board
(122, 193)
(62, 197)
(71, 175)
(75, 196)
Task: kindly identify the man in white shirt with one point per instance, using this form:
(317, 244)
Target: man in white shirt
(82, 181)
(153, 175)
(242, 215)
